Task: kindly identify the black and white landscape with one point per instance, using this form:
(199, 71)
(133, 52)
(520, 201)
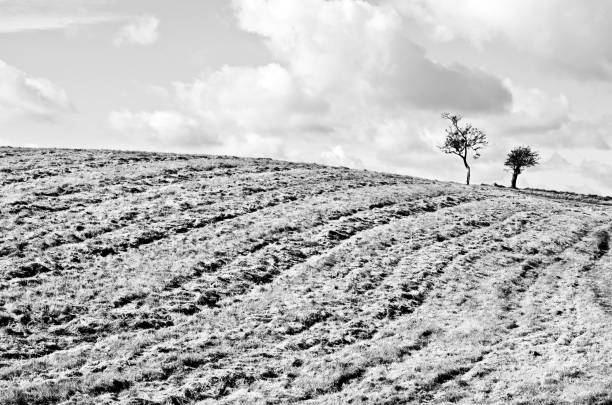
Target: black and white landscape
(182, 278)
(313, 201)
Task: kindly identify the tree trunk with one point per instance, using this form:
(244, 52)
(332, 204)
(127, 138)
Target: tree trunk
(467, 180)
(514, 176)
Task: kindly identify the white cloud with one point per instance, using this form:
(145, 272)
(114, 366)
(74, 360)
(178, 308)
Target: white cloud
(22, 95)
(142, 31)
(162, 127)
(555, 161)
(351, 83)
(533, 110)
(593, 134)
(252, 144)
(556, 172)
(545, 119)
(570, 35)
(13, 24)
(598, 171)
(344, 71)
(337, 156)
(42, 15)
(250, 99)
(361, 51)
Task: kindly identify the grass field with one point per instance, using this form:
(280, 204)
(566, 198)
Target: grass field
(142, 278)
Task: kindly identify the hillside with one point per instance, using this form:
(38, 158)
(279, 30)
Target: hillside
(142, 278)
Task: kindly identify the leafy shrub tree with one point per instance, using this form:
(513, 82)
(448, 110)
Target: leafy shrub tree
(520, 158)
(461, 141)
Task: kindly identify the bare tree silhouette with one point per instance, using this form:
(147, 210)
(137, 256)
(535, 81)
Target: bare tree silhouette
(519, 158)
(461, 140)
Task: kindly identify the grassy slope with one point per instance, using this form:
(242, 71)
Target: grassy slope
(221, 280)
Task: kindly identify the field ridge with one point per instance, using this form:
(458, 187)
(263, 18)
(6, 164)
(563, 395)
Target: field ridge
(150, 278)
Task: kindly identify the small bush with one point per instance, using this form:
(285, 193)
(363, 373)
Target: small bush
(602, 238)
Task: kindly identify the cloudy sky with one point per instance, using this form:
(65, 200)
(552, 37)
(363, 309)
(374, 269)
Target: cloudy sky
(345, 82)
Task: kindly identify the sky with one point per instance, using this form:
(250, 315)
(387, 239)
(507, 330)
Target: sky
(342, 82)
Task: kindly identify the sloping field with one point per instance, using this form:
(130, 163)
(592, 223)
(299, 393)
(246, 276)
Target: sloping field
(141, 278)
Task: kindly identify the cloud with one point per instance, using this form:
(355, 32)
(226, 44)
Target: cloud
(337, 156)
(12, 24)
(362, 51)
(556, 161)
(570, 35)
(251, 144)
(240, 104)
(342, 69)
(598, 171)
(161, 127)
(42, 15)
(543, 119)
(593, 134)
(265, 99)
(142, 31)
(556, 172)
(22, 95)
(534, 110)
(353, 83)
(546, 120)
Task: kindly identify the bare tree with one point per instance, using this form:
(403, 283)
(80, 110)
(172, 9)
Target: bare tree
(519, 158)
(461, 140)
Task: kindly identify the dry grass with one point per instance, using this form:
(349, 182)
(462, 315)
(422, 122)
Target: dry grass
(142, 278)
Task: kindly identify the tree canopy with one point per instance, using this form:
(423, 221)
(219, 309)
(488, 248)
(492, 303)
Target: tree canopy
(520, 158)
(461, 140)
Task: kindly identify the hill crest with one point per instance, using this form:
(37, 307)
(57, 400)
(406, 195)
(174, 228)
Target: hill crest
(128, 277)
